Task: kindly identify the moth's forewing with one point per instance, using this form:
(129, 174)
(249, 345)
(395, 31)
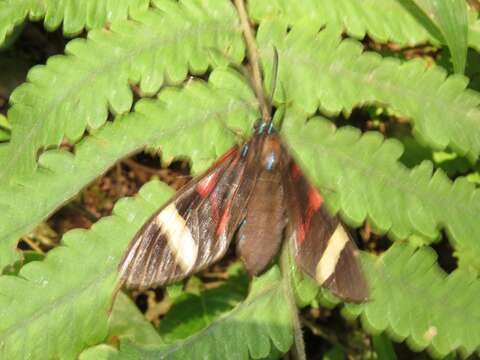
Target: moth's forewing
(324, 249)
(184, 236)
(241, 187)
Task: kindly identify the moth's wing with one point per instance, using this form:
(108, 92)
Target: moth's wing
(188, 233)
(324, 249)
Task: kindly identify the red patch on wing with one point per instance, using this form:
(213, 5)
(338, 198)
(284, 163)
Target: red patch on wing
(296, 172)
(205, 186)
(300, 232)
(225, 156)
(315, 200)
(222, 225)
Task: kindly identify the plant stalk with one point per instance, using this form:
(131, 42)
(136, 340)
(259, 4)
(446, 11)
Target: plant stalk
(252, 52)
(287, 266)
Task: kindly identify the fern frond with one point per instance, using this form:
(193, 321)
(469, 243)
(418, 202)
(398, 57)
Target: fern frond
(191, 312)
(249, 331)
(12, 13)
(76, 15)
(383, 21)
(474, 34)
(319, 70)
(55, 289)
(75, 91)
(99, 352)
(383, 347)
(192, 122)
(414, 300)
(125, 321)
(451, 19)
(362, 178)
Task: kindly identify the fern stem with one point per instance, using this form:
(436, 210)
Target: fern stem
(287, 267)
(254, 60)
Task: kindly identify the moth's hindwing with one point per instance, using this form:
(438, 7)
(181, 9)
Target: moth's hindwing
(324, 248)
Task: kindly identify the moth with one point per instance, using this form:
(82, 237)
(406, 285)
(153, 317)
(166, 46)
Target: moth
(257, 194)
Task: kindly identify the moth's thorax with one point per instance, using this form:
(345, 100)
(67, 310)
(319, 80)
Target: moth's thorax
(271, 152)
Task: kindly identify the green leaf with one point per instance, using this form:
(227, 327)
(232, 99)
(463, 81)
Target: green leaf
(361, 177)
(306, 288)
(414, 300)
(250, 330)
(196, 121)
(99, 352)
(384, 21)
(383, 347)
(452, 164)
(27, 256)
(474, 177)
(451, 18)
(414, 152)
(73, 286)
(76, 91)
(474, 31)
(75, 15)
(12, 14)
(397, 21)
(335, 353)
(191, 313)
(318, 70)
(126, 321)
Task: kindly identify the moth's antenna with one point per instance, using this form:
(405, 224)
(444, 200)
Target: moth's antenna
(273, 82)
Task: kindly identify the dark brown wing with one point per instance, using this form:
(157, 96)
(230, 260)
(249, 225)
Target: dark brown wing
(324, 249)
(192, 230)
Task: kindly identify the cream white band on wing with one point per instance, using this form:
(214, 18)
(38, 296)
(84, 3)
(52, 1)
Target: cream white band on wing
(179, 238)
(328, 262)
